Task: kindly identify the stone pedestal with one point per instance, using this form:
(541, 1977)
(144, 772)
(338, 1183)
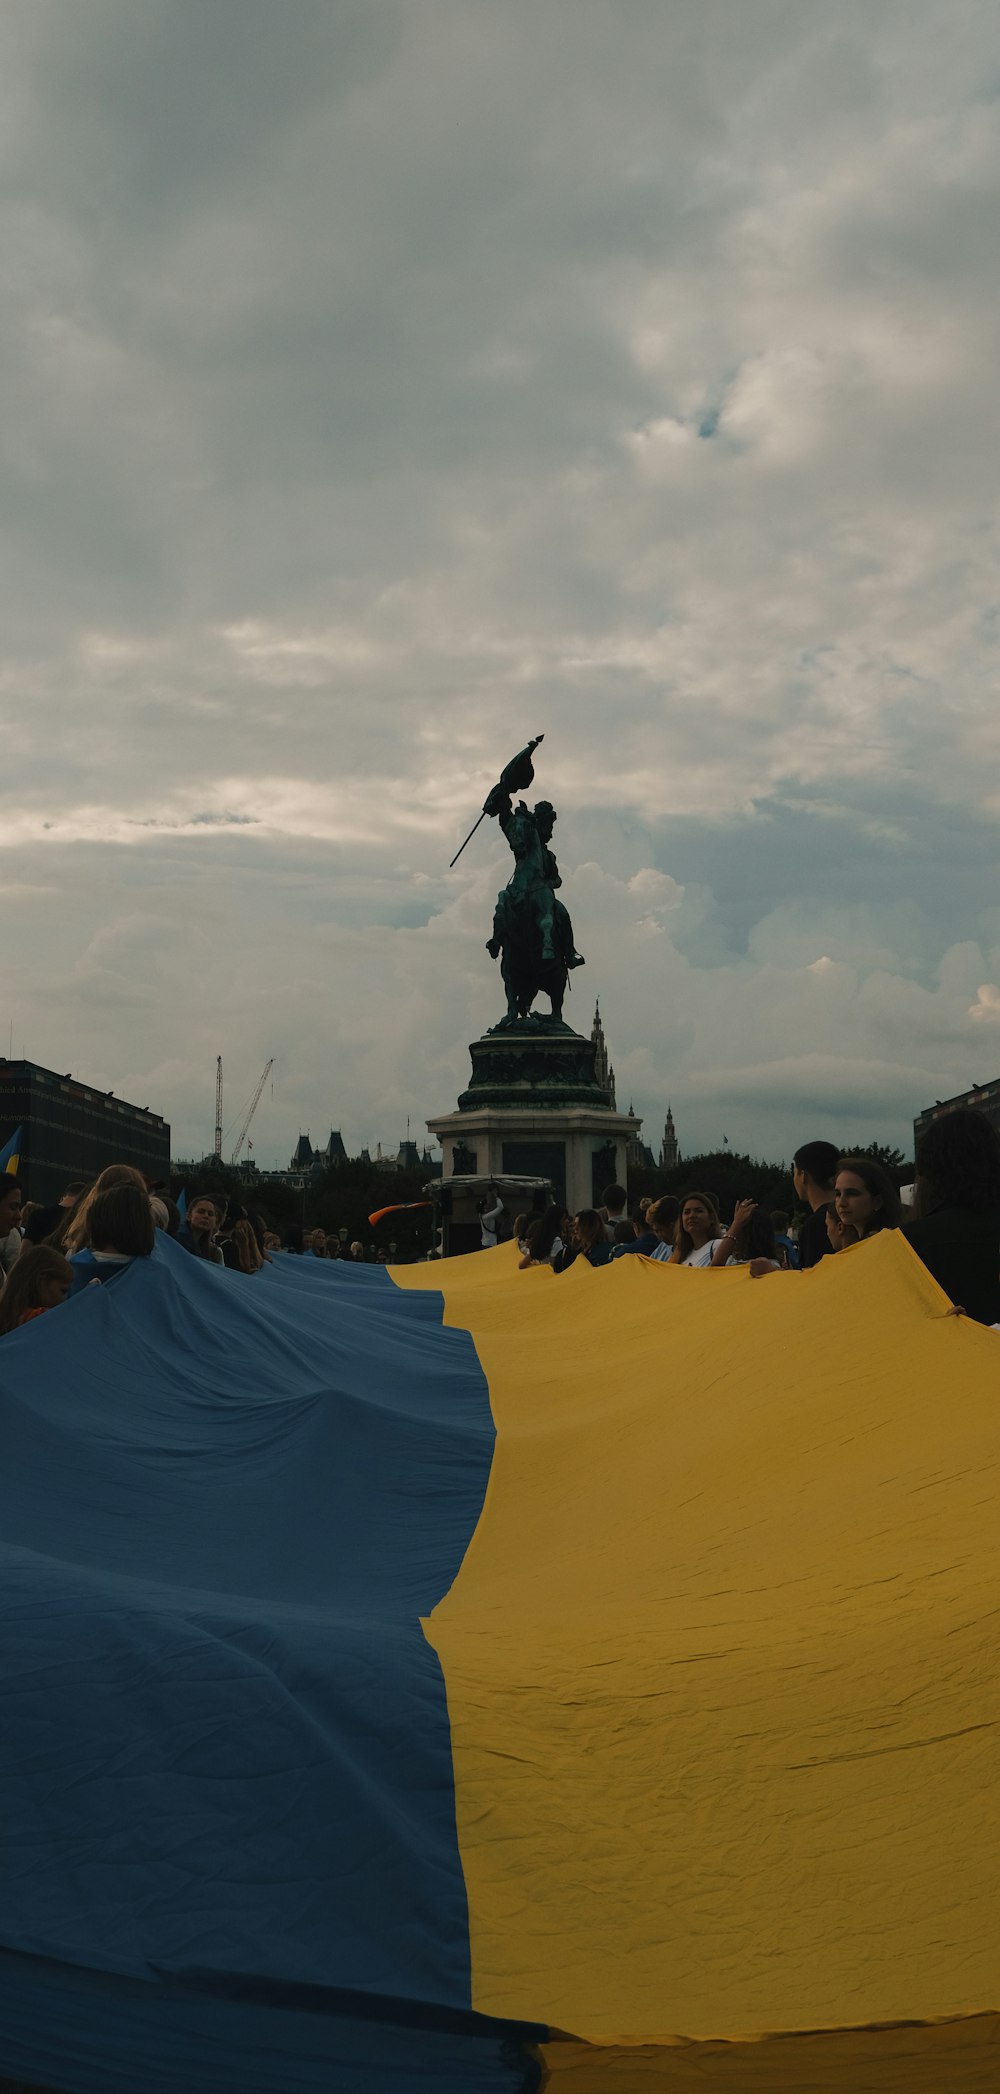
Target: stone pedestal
(534, 1107)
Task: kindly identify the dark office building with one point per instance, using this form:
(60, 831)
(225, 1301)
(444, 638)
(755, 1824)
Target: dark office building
(984, 1096)
(71, 1130)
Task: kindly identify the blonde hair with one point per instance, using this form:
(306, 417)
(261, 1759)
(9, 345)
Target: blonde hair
(244, 1243)
(74, 1233)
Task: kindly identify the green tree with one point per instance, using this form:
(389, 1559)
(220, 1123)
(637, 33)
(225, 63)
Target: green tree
(730, 1176)
(344, 1197)
(893, 1160)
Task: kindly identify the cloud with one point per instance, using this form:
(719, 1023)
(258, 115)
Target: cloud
(986, 1008)
(386, 387)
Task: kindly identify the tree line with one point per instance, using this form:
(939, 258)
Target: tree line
(344, 1196)
(730, 1176)
(339, 1198)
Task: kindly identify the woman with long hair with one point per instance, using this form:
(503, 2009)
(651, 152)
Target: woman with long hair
(865, 1197)
(40, 1280)
(241, 1251)
(589, 1241)
(956, 1210)
(543, 1241)
(698, 1230)
(72, 1231)
(750, 1235)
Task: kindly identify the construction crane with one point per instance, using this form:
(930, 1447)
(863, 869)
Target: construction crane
(218, 1105)
(254, 1102)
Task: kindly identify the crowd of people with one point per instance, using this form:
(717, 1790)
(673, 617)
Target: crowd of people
(96, 1229)
(951, 1219)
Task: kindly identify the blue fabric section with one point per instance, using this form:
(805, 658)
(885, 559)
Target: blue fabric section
(121, 2036)
(226, 1502)
(124, 2036)
(87, 1269)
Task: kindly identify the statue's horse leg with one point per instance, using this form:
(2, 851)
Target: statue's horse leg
(510, 985)
(529, 980)
(556, 986)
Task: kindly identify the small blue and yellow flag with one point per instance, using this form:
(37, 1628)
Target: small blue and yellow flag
(10, 1157)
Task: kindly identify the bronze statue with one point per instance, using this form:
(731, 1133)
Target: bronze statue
(532, 933)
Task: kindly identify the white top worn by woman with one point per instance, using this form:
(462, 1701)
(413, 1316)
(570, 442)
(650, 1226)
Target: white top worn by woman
(703, 1256)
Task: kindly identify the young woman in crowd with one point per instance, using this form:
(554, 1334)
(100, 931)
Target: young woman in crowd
(543, 1241)
(865, 1197)
(40, 1280)
(238, 1241)
(241, 1252)
(589, 1241)
(71, 1234)
(750, 1235)
(197, 1231)
(120, 1227)
(120, 1224)
(698, 1230)
(956, 1210)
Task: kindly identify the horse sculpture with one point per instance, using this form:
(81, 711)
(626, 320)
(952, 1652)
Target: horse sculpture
(532, 933)
(526, 973)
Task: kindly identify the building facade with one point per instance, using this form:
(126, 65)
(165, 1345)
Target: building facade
(72, 1130)
(985, 1097)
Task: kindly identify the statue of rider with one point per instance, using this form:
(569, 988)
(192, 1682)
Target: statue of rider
(531, 888)
(545, 817)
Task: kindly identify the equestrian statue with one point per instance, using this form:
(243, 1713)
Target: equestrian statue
(532, 933)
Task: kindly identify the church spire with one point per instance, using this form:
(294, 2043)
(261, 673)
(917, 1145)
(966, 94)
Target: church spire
(602, 1066)
(670, 1154)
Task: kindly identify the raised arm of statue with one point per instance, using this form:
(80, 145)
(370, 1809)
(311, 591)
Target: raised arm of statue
(516, 822)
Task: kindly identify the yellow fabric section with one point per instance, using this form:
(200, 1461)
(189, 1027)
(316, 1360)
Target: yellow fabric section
(721, 1662)
(954, 2057)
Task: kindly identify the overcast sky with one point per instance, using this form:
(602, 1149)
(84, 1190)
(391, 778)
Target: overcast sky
(386, 381)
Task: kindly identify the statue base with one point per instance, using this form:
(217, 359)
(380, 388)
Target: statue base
(534, 1059)
(534, 1109)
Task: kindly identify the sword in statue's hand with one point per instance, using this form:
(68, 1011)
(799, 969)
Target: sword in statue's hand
(518, 773)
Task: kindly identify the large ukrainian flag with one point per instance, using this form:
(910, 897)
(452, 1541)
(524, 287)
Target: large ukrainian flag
(722, 1676)
(469, 1679)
